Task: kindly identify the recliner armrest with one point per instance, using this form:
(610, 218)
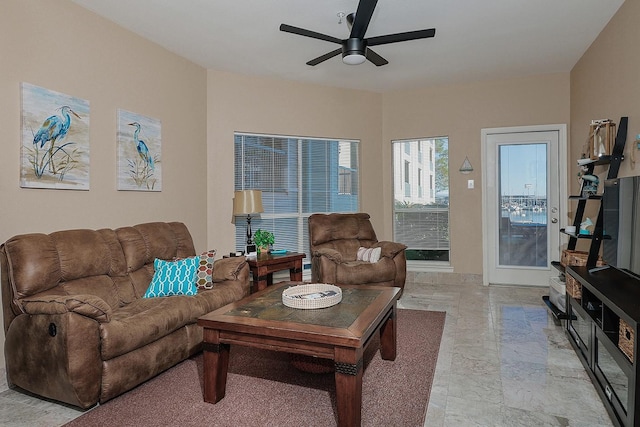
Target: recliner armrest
(227, 268)
(390, 249)
(332, 254)
(87, 305)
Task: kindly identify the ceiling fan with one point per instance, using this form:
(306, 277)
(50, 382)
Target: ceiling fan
(355, 50)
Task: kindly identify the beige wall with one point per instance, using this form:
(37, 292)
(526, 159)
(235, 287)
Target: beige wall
(62, 47)
(460, 112)
(262, 105)
(605, 84)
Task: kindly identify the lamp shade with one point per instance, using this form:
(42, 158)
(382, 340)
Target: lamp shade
(247, 202)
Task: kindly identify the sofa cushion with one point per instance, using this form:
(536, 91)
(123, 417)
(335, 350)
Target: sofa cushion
(204, 274)
(40, 262)
(143, 243)
(358, 272)
(208, 300)
(100, 286)
(173, 278)
(143, 321)
(329, 227)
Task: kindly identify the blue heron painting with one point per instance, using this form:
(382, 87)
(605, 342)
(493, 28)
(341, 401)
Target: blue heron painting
(139, 149)
(55, 139)
(143, 150)
(53, 129)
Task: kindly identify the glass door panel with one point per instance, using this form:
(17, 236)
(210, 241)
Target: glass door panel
(523, 205)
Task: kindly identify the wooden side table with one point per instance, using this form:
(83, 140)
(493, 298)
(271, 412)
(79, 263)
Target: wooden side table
(265, 264)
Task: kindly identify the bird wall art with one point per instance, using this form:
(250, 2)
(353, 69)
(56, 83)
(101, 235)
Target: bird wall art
(139, 152)
(55, 140)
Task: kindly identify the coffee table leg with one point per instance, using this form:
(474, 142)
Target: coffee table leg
(388, 337)
(348, 366)
(216, 365)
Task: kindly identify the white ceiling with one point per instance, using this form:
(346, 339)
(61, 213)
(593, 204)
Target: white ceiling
(475, 39)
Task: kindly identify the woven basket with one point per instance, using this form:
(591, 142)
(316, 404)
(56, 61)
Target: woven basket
(577, 258)
(568, 256)
(626, 338)
(314, 295)
(574, 288)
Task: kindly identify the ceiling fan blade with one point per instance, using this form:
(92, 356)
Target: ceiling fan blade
(362, 18)
(377, 60)
(324, 57)
(308, 33)
(401, 37)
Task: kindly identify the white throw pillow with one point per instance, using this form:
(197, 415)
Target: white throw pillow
(369, 254)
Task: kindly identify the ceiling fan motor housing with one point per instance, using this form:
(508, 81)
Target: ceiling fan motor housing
(354, 48)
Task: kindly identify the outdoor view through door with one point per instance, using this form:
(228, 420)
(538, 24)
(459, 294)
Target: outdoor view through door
(523, 205)
(421, 197)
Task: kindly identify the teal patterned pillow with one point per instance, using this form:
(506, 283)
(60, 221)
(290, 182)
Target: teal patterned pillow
(173, 278)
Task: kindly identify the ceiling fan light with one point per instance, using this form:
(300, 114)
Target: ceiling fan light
(354, 58)
(353, 51)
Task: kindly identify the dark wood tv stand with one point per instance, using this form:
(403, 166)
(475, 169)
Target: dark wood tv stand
(593, 326)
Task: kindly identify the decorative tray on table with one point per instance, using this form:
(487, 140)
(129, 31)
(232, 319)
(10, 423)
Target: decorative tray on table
(314, 295)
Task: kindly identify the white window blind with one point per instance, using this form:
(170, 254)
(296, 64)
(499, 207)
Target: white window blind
(298, 177)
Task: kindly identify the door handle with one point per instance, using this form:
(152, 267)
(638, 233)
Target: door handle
(554, 220)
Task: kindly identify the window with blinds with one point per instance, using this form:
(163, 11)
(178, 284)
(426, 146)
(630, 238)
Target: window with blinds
(298, 177)
(421, 198)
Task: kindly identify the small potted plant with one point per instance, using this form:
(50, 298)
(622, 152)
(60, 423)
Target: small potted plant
(263, 239)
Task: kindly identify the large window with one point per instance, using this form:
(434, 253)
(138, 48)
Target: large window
(298, 177)
(421, 207)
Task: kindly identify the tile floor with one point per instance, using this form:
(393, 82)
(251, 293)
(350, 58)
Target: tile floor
(502, 362)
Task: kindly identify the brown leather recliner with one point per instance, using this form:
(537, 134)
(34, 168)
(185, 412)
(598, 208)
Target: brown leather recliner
(334, 242)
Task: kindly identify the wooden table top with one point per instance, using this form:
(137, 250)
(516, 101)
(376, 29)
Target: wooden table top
(265, 258)
(346, 323)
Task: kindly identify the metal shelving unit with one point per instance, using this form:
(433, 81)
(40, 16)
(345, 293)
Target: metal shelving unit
(613, 160)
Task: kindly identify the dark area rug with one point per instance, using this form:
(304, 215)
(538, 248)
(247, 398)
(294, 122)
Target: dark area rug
(263, 389)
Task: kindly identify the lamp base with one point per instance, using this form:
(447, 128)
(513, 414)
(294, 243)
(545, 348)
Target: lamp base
(251, 251)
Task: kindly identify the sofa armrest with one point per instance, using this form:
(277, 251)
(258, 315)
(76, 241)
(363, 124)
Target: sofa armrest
(87, 305)
(390, 249)
(228, 268)
(332, 254)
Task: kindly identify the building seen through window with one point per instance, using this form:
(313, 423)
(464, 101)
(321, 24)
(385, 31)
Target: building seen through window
(421, 197)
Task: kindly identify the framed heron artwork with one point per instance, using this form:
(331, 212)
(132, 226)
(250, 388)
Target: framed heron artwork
(55, 140)
(139, 152)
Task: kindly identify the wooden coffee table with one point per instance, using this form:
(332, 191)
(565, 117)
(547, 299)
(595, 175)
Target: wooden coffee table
(338, 333)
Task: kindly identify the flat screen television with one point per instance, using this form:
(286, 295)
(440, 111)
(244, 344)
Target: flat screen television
(621, 221)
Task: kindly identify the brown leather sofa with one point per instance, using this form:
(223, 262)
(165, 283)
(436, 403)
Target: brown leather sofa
(334, 242)
(76, 327)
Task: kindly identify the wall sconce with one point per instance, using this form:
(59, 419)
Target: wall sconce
(466, 166)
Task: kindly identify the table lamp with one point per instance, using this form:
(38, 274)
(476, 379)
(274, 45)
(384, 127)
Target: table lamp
(247, 202)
